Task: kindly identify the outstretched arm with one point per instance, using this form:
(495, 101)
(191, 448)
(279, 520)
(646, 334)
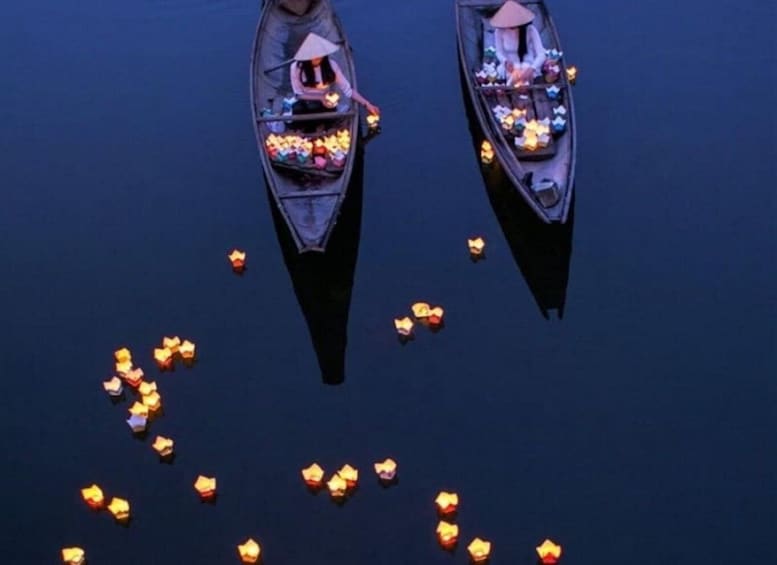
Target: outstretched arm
(352, 93)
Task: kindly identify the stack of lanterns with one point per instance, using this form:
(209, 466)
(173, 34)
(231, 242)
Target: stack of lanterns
(536, 135)
(318, 152)
(512, 120)
(486, 153)
(95, 499)
(487, 76)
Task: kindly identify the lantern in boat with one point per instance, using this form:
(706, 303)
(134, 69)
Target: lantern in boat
(337, 486)
(93, 496)
(420, 310)
(122, 355)
(553, 92)
(152, 401)
(171, 343)
(479, 550)
(476, 246)
(447, 534)
(163, 358)
(447, 503)
(560, 110)
(507, 122)
(123, 367)
(404, 326)
(313, 475)
(486, 153)
(559, 124)
(386, 470)
(134, 378)
(435, 316)
(373, 121)
(349, 474)
(137, 423)
(318, 148)
(147, 388)
(205, 487)
(249, 551)
(73, 556)
(120, 509)
(549, 552)
(113, 386)
(572, 74)
(331, 99)
(187, 349)
(139, 409)
(530, 142)
(238, 260)
(163, 446)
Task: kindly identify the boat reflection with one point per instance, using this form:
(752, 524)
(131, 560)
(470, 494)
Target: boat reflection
(323, 281)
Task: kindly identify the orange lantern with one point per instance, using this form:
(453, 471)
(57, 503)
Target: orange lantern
(93, 496)
(249, 551)
(387, 470)
(113, 386)
(476, 246)
(420, 310)
(120, 509)
(238, 260)
(313, 475)
(447, 503)
(479, 550)
(572, 74)
(73, 556)
(123, 367)
(147, 388)
(435, 316)
(163, 358)
(404, 326)
(134, 378)
(152, 401)
(139, 409)
(122, 355)
(349, 474)
(137, 423)
(171, 343)
(206, 487)
(447, 534)
(187, 349)
(549, 552)
(163, 446)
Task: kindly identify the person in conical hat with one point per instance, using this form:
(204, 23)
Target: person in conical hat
(519, 49)
(314, 74)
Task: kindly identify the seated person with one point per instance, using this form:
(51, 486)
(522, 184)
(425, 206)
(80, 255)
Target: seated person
(314, 74)
(517, 42)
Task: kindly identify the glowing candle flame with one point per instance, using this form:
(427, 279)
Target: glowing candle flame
(163, 446)
(249, 551)
(120, 509)
(313, 475)
(73, 556)
(447, 534)
(205, 486)
(447, 502)
(93, 496)
(549, 552)
(479, 550)
(113, 386)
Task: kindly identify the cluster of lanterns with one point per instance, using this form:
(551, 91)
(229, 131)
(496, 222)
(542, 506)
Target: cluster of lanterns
(425, 314)
(95, 499)
(173, 347)
(345, 480)
(317, 153)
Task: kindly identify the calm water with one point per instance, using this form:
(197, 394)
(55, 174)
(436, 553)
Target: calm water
(639, 428)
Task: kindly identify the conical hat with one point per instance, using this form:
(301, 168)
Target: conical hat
(512, 14)
(314, 47)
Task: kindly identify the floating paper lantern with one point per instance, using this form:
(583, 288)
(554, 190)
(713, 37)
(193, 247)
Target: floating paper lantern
(387, 470)
(420, 309)
(187, 349)
(73, 556)
(163, 446)
(171, 343)
(137, 423)
(572, 74)
(349, 474)
(549, 552)
(206, 487)
(479, 550)
(313, 475)
(120, 509)
(373, 121)
(152, 401)
(249, 551)
(147, 388)
(93, 496)
(486, 153)
(476, 246)
(404, 326)
(122, 355)
(134, 378)
(447, 534)
(447, 503)
(139, 409)
(163, 358)
(123, 367)
(113, 386)
(331, 99)
(337, 486)
(238, 260)
(435, 316)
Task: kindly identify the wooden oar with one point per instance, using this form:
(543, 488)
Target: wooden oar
(288, 62)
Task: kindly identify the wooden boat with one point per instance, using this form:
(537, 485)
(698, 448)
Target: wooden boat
(309, 199)
(545, 178)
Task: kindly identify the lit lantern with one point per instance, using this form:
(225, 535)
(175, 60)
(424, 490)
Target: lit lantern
(147, 388)
(420, 309)
(73, 556)
(238, 260)
(249, 551)
(113, 386)
(486, 153)
(206, 487)
(447, 534)
(313, 475)
(134, 378)
(447, 503)
(163, 446)
(122, 355)
(163, 358)
(137, 423)
(476, 246)
(435, 316)
(373, 121)
(572, 74)
(404, 326)
(152, 401)
(171, 343)
(331, 99)
(187, 349)
(349, 474)
(549, 552)
(387, 470)
(123, 367)
(120, 509)
(139, 409)
(93, 496)
(337, 486)
(479, 550)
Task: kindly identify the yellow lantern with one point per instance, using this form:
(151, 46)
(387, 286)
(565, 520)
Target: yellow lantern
(139, 409)
(122, 355)
(163, 446)
(120, 509)
(337, 486)
(171, 343)
(373, 121)
(349, 474)
(163, 357)
(93, 496)
(249, 551)
(476, 246)
(147, 388)
(435, 316)
(549, 552)
(404, 326)
(73, 556)
(331, 99)
(123, 367)
(447, 503)
(187, 349)
(134, 378)
(447, 534)
(386, 470)
(420, 309)
(113, 386)
(313, 475)
(206, 487)
(479, 550)
(572, 74)
(238, 260)
(486, 152)
(152, 401)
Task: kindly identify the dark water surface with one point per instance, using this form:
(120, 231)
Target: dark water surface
(637, 429)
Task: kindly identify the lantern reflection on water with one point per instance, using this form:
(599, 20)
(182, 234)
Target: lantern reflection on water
(447, 503)
(549, 552)
(73, 556)
(249, 551)
(163, 446)
(386, 470)
(479, 550)
(206, 487)
(93, 496)
(113, 386)
(447, 534)
(120, 509)
(313, 475)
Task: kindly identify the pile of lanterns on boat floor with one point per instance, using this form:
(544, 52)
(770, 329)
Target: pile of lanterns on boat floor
(314, 152)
